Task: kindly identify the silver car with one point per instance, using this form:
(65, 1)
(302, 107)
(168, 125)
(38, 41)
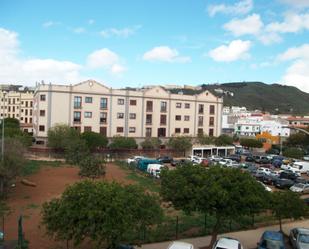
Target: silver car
(299, 238)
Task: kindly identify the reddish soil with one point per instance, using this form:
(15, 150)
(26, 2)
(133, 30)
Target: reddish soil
(26, 200)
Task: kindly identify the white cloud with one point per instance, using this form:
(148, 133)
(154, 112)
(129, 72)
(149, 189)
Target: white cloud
(241, 7)
(124, 33)
(297, 73)
(16, 69)
(49, 24)
(166, 54)
(251, 25)
(292, 23)
(79, 30)
(296, 3)
(235, 50)
(106, 59)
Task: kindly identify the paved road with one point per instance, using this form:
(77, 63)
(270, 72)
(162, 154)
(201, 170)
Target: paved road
(248, 238)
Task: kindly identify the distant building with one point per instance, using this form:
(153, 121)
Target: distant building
(137, 113)
(17, 102)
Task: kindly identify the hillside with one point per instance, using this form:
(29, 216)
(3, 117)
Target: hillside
(273, 98)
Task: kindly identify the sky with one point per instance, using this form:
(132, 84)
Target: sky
(142, 42)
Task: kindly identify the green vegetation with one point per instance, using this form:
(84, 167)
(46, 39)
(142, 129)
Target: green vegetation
(33, 166)
(251, 143)
(91, 167)
(180, 143)
(119, 142)
(293, 153)
(273, 98)
(105, 213)
(151, 143)
(94, 140)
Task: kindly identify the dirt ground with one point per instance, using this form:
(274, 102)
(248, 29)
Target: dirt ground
(25, 200)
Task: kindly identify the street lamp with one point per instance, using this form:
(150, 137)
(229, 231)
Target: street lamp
(3, 114)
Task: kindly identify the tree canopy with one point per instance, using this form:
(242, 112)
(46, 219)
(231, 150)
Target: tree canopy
(102, 212)
(60, 136)
(251, 143)
(222, 192)
(293, 153)
(119, 142)
(151, 143)
(181, 143)
(94, 140)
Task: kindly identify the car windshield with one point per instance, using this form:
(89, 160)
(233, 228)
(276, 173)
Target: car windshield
(274, 244)
(304, 238)
(299, 185)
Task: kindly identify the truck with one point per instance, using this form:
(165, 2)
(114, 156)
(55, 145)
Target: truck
(154, 169)
(143, 163)
(302, 166)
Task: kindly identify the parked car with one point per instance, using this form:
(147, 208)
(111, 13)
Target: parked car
(180, 245)
(271, 240)
(264, 170)
(234, 157)
(299, 238)
(165, 159)
(227, 243)
(249, 159)
(301, 180)
(287, 174)
(182, 162)
(215, 158)
(225, 161)
(134, 159)
(296, 171)
(277, 163)
(261, 159)
(283, 183)
(194, 159)
(300, 188)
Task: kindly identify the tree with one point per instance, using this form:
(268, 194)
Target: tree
(287, 204)
(298, 139)
(12, 162)
(223, 140)
(223, 192)
(205, 139)
(75, 150)
(251, 143)
(151, 143)
(94, 140)
(293, 153)
(180, 143)
(119, 142)
(91, 167)
(100, 211)
(60, 136)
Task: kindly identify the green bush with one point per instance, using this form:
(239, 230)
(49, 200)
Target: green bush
(91, 167)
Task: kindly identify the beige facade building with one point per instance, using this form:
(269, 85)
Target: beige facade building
(139, 113)
(17, 104)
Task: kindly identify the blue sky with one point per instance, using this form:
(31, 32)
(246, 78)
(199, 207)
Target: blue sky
(135, 43)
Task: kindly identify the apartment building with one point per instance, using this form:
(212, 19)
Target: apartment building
(17, 103)
(137, 113)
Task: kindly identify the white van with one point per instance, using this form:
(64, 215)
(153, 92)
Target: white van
(303, 167)
(154, 169)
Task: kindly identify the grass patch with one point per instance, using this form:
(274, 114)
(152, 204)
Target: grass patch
(33, 166)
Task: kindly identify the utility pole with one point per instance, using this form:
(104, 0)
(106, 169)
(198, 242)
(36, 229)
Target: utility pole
(2, 140)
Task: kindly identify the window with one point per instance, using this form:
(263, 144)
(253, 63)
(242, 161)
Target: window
(201, 109)
(132, 101)
(13, 107)
(186, 130)
(77, 117)
(30, 112)
(31, 103)
(187, 118)
(120, 115)
(29, 121)
(211, 132)
(178, 105)
(132, 115)
(26, 111)
(149, 119)
(163, 106)
(10, 109)
(178, 117)
(149, 106)
(161, 132)
(103, 131)
(88, 114)
(177, 130)
(120, 101)
(103, 117)
(119, 129)
(77, 102)
(9, 101)
(162, 119)
(131, 129)
(200, 120)
(14, 101)
(103, 103)
(211, 121)
(87, 128)
(200, 131)
(211, 109)
(41, 128)
(42, 97)
(42, 113)
(148, 132)
(88, 100)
